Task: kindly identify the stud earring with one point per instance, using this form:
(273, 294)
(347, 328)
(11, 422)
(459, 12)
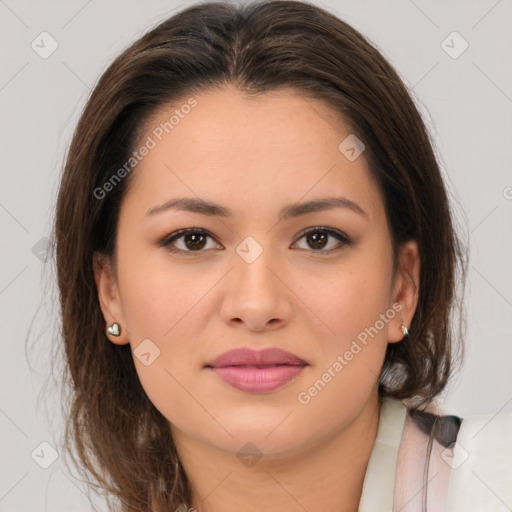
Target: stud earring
(114, 329)
(404, 329)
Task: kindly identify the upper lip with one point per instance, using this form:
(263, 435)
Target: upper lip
(249, 357)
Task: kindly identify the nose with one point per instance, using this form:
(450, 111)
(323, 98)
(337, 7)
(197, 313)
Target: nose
(256, 294)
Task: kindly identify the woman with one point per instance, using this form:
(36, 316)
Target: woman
(258, 268)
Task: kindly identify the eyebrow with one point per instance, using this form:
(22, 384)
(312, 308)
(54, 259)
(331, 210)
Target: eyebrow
(202, 207)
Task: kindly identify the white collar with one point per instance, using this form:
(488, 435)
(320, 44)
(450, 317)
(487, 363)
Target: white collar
(379, 480)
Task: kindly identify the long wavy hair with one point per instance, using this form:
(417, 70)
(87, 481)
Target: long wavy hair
(114, 433)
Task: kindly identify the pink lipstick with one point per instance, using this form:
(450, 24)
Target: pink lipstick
(257, 371)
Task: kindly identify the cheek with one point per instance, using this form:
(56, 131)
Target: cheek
(163, 304)
(156, 295)
(349, 298)
(171, 307)
(354, 313)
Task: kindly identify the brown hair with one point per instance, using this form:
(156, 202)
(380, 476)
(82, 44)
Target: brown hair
(119, 436)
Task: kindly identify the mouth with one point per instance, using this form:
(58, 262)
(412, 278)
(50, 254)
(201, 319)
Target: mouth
(255, 371)
(259, 366)
(258, 378)
(266, 358)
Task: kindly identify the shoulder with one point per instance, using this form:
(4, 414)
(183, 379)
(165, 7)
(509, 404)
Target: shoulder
(460, 464)
(447, 463)
(481, 464)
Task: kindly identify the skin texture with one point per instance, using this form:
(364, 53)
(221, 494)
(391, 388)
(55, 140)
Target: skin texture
(255, 156)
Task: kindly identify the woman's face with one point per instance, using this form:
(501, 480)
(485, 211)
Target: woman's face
(247, 277)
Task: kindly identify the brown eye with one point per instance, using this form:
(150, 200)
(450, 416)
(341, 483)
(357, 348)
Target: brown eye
(318, 239)
(192, 240)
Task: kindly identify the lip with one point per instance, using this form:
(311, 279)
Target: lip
(257, 371)
(249, 357)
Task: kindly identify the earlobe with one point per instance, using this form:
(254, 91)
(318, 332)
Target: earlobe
(406, 293)
(108, 297)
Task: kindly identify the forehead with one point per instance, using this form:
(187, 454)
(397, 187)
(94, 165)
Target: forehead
(227, 146)
(229, 119)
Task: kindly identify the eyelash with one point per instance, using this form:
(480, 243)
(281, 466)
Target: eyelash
(168, 239)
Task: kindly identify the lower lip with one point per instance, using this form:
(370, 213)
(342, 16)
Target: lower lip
(258, 380)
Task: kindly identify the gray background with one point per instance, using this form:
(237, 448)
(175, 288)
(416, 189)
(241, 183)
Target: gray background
(467, 102)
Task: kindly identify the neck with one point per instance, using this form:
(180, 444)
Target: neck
(326, 476)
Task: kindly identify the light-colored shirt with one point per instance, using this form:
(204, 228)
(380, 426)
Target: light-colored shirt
(469, 468)
(434, 462)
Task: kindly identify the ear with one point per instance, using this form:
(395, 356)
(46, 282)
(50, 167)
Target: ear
(406, 289)
(108, 296)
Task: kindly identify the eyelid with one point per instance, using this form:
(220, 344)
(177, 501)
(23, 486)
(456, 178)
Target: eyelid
(166, 241)
(326, 229)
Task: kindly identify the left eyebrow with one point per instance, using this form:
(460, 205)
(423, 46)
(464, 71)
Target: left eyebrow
(202, 207)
